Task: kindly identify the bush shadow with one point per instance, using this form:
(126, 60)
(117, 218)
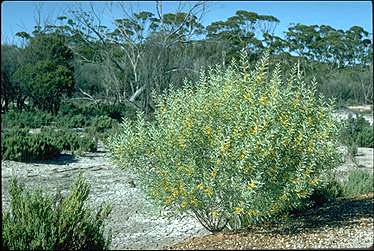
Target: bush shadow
(333, 214)
(60, 159)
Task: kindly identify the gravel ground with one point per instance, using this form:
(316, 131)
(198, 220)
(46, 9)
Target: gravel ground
(346, 223)
(343, 114)
(135, 222)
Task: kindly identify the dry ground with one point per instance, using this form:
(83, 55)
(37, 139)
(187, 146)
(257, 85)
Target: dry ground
(345, 223)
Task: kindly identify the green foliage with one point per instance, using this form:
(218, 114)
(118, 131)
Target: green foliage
(38, 221)
(357, 131)
(20, 145)
(72, 141)
(44, 83)
(359, 182)
(73, 121)
(10, 91)
(114, 111)
(32, 119)
(103, 123)
(239, 147)
(327, 190)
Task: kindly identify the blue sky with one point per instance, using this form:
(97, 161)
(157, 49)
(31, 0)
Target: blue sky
(20, 15)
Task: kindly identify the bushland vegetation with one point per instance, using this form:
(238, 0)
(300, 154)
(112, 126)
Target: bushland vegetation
(206, 110)
(37, 220)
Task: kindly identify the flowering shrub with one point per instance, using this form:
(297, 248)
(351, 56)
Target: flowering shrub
(239, 147)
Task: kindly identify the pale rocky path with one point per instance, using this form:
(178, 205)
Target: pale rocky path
(135, 222)
(343, 114)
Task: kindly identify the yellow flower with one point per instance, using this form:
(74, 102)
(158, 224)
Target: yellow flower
(225, 147)
(263, 100)
(218, 162)
(200, 186)
(299, 139)
(238, 210)
(193, 201)
(254, 130)
(182, 143)
(184, 204)
(214, 173)
(189, 123)
(242, 156)
(314, 182)
(168, 200)
(209, 191)
(247, 96)
(309, 121)
(251, 185)
(163, 109)
(215, 214)
(208, 131)
(301, 194)
(175, 193)
(252, 212)
(285, 142)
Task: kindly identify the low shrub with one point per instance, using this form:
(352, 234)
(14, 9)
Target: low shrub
(359, 182)
(72, 141)
(114, 111)
(72, 121)
(357, 131)
(239, 147)
(19, 145)
(328, 189)
(31, 119)
(70, 108)
(102, 123)
(39, 221)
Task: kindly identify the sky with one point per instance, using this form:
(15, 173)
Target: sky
(21, 15)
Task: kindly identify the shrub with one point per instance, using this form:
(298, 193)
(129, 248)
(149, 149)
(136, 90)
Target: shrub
(32, 119)
(357, 131)
(114, 111)
(72, 141)
(69, 108)
(102, 123)
(19, 145)
(237, 148)
(327, 190)
(37, 221)
(359, 182)
(73, 121)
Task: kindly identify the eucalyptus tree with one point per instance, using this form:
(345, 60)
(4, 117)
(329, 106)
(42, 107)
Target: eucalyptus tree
(46, 72)
(10, 90)
(243, 30)
(135, 56)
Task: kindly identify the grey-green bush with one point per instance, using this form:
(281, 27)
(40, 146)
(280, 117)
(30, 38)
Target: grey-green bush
(38, 221)
(239, 147)
(359, 182)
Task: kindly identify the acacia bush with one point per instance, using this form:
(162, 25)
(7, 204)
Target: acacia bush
(39, 221)
(239, 147)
